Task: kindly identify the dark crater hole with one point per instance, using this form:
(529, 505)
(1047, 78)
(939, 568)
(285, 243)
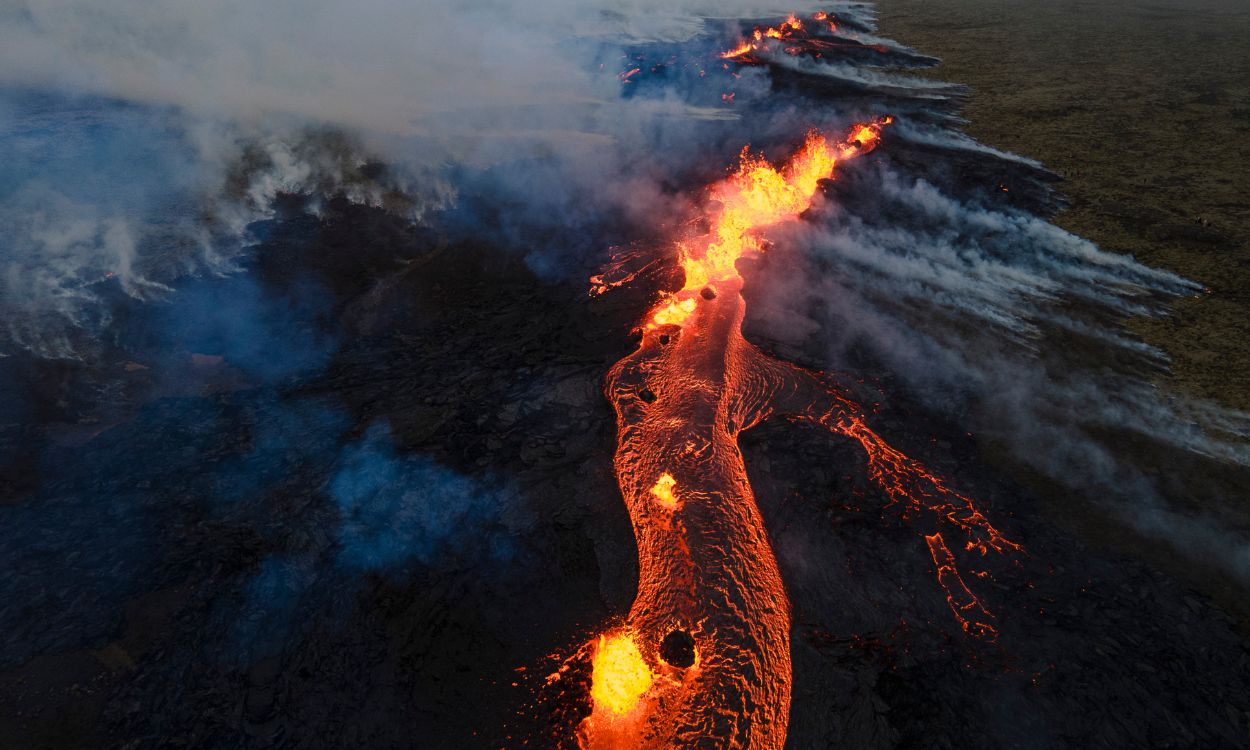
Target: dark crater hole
(677, 649)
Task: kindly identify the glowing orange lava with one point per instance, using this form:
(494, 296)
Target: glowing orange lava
(755, 196)
(708, 580)
(663, 491)
(621, 675)
(790, 29)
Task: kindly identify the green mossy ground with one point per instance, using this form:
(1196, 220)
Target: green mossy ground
(1144, 109)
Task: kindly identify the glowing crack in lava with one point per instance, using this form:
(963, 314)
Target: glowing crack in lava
(703, 657)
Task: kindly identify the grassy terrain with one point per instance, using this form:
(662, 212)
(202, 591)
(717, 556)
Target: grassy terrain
(1144, 109)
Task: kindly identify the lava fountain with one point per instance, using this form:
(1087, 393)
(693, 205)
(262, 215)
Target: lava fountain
(703, 657)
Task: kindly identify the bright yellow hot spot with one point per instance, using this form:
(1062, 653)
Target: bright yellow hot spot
(619, 676)
(676, 311)
(864, 134)
(755, 196)
(663, 490)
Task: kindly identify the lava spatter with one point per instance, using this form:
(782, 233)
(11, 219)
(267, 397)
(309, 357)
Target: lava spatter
(703, 657)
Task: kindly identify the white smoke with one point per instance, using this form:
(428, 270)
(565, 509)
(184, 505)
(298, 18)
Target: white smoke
(210, 93)
(1003, 321)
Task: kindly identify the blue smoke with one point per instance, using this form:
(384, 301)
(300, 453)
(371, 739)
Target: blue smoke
(268, 335)
(397, 509)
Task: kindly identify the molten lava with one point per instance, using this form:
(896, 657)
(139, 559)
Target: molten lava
(789, 30)
(663, 491)
(703, 658)
(756, 196)
(621, 675)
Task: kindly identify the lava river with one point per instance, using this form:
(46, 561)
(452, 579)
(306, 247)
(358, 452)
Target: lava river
(703, 657)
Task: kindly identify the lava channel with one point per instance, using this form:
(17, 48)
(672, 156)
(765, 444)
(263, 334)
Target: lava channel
(703, 657)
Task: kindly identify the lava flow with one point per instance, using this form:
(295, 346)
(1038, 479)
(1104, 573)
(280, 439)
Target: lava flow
(792, 29)
(703, 657)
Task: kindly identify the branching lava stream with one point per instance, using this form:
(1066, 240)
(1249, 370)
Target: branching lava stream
(703, 657)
